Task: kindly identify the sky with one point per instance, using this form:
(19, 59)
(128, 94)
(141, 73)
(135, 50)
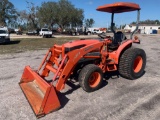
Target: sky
(149, 10)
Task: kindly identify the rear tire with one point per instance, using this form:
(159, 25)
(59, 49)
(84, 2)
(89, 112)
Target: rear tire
(90, 78)
(132, 63)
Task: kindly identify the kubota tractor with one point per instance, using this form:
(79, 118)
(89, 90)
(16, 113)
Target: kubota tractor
(86, 60)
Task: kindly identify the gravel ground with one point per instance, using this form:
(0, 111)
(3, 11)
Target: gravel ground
(118, 99)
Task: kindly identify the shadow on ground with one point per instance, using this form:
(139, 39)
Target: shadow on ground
(62, 96)
(107, 76)
(11, 42)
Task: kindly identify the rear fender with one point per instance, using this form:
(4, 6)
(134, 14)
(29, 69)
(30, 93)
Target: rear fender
(116, 54)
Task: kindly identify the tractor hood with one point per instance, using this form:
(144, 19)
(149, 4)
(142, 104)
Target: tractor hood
(77, 44)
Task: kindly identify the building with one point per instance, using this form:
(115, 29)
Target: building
(143, 28)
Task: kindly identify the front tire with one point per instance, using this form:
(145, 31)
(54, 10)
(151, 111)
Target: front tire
(132, 63)
(90, 78)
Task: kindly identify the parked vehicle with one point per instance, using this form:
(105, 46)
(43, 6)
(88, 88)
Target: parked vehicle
(44, 32)
(16, 30)
(74, 32)
(90, 31)
(11, 30)
(109, 31)
(97, 31)
(4, 35)
(19, 32)
(34, 32)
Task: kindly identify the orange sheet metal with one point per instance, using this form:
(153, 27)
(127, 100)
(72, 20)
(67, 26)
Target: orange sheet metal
(41, 95)
(119, 7)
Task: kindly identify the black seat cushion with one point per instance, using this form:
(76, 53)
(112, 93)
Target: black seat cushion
(118, 37)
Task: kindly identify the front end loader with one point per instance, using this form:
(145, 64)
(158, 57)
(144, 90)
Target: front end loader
(85, 61)
(41, 94)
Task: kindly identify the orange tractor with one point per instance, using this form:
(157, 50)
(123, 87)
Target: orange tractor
(86, 60)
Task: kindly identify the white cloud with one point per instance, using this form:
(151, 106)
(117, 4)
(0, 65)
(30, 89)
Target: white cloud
(90, 2)
(91, 15)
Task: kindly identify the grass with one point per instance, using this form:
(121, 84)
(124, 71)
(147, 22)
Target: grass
(27, 44)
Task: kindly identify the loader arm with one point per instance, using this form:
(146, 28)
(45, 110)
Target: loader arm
(72, 61)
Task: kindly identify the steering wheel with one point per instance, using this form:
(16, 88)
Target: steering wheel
(103, 36)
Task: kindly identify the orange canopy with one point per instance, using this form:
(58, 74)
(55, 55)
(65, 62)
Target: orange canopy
(119, 7)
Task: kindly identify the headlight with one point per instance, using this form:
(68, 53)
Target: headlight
(7, 36)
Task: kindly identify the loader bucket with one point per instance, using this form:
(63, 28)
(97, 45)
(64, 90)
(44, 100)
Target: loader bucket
(40, 94)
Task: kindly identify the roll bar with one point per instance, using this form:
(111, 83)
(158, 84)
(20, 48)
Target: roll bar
(112, 24)
(137, 24)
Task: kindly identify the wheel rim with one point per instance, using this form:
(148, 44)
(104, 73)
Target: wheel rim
(94, 79)
(137, 64)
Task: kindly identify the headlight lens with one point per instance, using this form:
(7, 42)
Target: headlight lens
(7, 36)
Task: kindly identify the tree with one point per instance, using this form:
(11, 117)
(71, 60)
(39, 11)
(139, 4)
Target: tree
(22, 16)
(62, 13)
(47, 14)
(89, 22)
(152, 22)
(32, 18)
(22, 20)
(77, 17)
(8, 13)
(28, 18)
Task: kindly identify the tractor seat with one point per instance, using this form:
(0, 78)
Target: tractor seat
(117, 39)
